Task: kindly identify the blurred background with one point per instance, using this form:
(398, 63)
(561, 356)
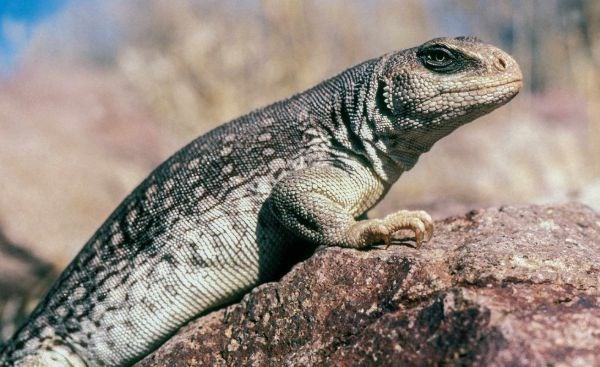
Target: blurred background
(95, 93)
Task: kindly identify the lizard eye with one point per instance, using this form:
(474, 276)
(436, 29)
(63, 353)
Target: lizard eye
(438, 59)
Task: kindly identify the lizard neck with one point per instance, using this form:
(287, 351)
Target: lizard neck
(350, 110)
(390, 150)
(346, 110)
(349, 123)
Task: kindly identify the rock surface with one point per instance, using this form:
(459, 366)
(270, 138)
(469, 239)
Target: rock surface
(512, 286)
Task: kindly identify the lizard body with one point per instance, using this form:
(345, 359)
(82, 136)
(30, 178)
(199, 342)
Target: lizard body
(219, 217)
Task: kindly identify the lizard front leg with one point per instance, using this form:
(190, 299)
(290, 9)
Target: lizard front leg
(320, 204)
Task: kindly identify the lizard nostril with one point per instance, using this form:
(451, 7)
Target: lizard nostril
(500, 64)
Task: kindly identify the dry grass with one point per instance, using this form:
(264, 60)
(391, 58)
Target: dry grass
(218, 64)
(71, 149)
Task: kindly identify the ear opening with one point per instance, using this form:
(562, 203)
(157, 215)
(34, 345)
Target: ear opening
(384, 97)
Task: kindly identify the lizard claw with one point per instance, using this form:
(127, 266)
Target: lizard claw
(417, 221)
(367, 232)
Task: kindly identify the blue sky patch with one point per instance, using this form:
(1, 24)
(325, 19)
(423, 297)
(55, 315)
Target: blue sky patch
(18, 18)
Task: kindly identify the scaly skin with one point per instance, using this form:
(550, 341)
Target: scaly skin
(219, 217)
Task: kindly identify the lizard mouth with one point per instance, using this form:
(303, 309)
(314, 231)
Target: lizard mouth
(516, 82)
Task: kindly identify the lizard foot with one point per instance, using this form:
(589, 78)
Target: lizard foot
(367, 232)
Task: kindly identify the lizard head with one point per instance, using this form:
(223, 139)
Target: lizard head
(424, 93)
(447, 78)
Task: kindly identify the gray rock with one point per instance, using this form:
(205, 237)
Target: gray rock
(512, 286)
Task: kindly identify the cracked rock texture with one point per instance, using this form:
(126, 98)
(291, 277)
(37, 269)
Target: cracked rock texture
(514, 286)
